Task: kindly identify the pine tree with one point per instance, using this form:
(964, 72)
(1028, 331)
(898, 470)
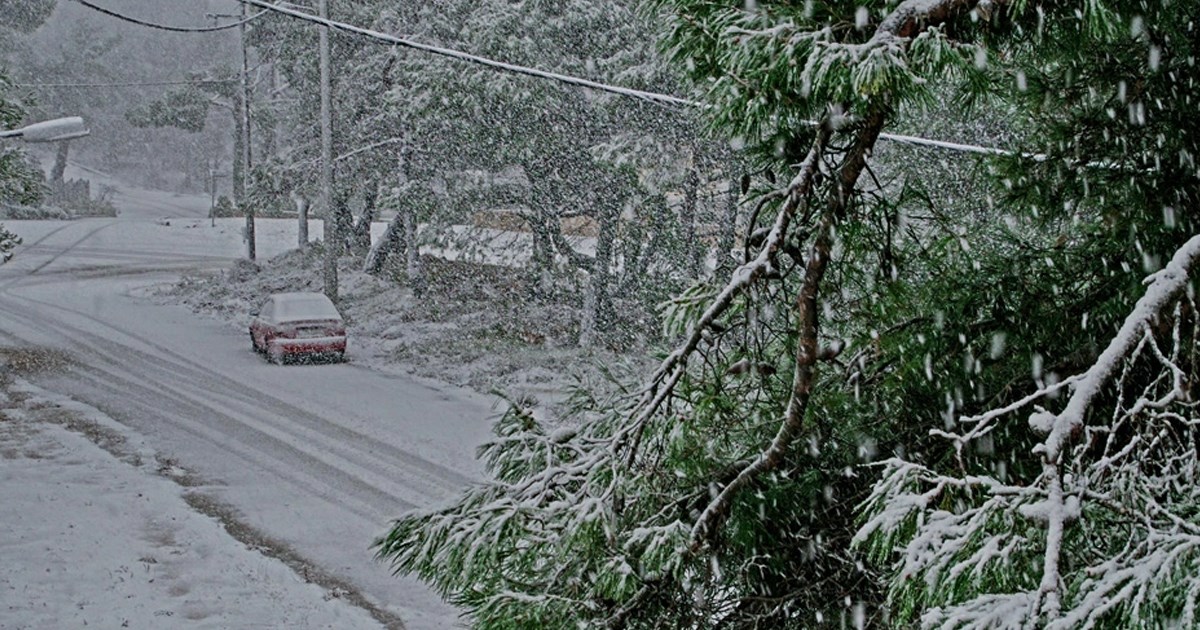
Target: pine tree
(872, 317)
(20, 181)
(721, 492)
(1080, 516)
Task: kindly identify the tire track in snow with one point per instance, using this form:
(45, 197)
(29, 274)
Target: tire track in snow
(104, 271)
(373, 462)
(417, 467)
(233, 521)
(266, 452)
(45, 236)
(171, 360)
(58, 255)
(69, 248)
(124, 254)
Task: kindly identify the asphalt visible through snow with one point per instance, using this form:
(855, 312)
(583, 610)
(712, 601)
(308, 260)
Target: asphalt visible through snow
(314, 459)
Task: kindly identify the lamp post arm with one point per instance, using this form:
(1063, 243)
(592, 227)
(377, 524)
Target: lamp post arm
(55, 130)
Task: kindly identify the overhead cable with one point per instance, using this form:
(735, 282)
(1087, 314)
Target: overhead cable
(653, 97)
(463, 56)
(165, 27)
(571, 80)
(126, 84)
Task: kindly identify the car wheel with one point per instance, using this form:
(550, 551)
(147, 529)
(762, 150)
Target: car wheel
(254, 344)
(275, 355)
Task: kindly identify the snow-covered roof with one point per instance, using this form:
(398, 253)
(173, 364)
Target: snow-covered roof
(297, 306)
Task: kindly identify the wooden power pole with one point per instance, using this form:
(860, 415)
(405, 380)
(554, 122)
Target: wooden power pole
(332, 238)
(247, 207)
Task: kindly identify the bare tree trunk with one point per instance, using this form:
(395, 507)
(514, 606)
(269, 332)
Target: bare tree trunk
(239, 167)
(247, 208)
(597, 314)
(539, 280)
(587, 316)
(343, 218)
(302, 204)
(541, 264)
(728, 238)
(270, 132)
(692, 251)
(360, 239)
(412, 253)
(390, 243)
(400, 235)
(60, 165)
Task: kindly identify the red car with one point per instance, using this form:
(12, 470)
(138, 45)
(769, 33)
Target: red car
(298, 324)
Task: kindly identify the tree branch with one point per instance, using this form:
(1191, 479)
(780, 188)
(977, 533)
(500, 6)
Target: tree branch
(671, 369)
(807, 349)
(1165, 286)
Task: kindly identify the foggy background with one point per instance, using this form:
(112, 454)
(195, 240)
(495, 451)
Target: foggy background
(80, 62)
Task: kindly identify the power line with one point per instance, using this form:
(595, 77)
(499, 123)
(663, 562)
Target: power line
(118, 85)
(955, 146)
(484, 61)
(165, 27)
(463, 56)
(570, 80)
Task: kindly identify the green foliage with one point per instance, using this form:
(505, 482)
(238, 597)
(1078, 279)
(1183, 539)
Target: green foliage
(185, 109)
(10, 112)
(948, 295)
(958, 540)
(265, 192)
(576, 521)
(973, 544)
(224, 208)
(770, 68)
(8, 242)
(21, 181)
(493, 561)
(1107, 93)
(24, 16)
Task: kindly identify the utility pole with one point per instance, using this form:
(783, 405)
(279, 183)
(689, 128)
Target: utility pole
(332, 240)
(245, 113)
(213, 175)
(243, 117)
(212, 189)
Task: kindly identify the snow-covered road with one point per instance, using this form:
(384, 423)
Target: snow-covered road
(317, 458)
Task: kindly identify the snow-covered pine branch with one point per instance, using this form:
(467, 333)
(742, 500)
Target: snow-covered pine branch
(1106, 533)
(662, 503)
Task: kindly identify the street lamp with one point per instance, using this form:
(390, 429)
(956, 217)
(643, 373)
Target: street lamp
(49, 130)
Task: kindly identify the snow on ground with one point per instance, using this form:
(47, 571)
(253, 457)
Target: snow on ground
(90, 540)
(473, 327)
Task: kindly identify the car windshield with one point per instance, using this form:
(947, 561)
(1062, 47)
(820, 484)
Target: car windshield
(297, 307)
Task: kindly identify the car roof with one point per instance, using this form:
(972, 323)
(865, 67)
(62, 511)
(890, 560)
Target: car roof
(307, 305)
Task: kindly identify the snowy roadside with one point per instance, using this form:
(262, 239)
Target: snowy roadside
(100, 531)
(473, 328)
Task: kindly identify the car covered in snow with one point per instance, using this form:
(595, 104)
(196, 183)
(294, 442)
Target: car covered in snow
(298, 324)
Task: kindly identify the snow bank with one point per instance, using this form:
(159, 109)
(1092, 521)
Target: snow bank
(91, 540)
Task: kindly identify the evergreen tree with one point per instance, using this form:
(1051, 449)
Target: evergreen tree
(722, 491)
(871, 318)
(21, 181)
(1078, 517)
